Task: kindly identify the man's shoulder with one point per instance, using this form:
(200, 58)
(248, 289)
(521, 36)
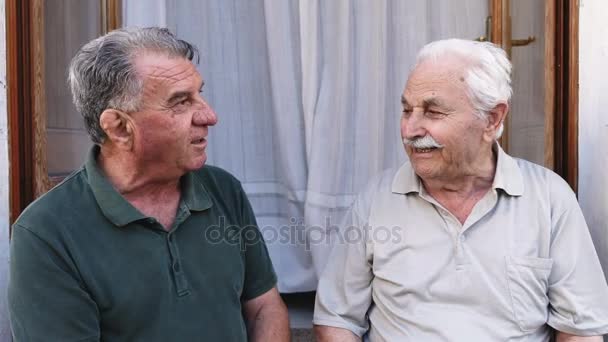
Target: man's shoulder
(534, 173)
(378, 189)
(541, 181)
(62, 202)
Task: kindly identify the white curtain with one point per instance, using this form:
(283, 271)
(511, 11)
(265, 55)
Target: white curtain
(308, 97)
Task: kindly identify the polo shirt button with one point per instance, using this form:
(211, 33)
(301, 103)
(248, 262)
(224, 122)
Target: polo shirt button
(176, 266)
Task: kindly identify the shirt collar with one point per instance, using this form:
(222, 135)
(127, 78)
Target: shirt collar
(119, 211)
(194, 194)
(406, 181)
(508, 176)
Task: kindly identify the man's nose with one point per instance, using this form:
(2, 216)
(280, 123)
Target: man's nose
(204, 115)
(413, 126)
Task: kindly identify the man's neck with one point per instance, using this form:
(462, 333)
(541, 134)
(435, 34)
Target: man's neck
(133, 180)
(459, 194)
(461, 188)
(151, 194)
(478, 177)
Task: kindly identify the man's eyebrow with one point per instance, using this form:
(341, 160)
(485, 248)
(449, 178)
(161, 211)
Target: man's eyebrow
(434, 101)
(428, 102)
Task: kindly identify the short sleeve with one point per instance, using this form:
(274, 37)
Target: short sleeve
(578, 293)
(260, 276)
(45, 298)
(344, 293)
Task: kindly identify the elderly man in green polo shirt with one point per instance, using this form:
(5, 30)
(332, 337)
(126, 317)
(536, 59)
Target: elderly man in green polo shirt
(483, 246)
(144, 242)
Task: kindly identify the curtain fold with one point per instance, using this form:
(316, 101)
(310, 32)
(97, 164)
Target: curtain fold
(285, 234)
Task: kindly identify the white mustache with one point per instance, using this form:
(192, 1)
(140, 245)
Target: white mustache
(426, 141)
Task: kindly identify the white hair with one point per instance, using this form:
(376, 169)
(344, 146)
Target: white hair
(488, 77)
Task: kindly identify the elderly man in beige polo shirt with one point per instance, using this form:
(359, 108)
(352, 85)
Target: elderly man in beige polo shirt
(463, 242)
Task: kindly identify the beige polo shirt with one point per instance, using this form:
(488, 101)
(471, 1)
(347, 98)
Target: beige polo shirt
(404, 269)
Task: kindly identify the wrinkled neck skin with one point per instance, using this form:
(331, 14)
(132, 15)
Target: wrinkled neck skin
(133, 178)
(470, 183)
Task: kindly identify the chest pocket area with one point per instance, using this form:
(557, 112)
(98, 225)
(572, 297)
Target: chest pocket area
(528, 281)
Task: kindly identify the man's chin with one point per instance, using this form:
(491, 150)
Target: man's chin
(198, 163)
(424, 171)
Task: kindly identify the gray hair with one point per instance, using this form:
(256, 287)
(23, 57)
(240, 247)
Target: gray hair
(488, 77)
(102, 74)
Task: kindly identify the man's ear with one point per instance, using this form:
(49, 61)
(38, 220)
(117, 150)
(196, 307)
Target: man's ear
(496, 117)
(119, 128)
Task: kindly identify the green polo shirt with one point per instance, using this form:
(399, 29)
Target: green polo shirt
(87, 266)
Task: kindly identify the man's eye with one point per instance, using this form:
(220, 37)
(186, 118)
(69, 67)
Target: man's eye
(407, 112)
(184, 102)
(434, 113)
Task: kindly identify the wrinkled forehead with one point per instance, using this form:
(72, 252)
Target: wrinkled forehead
(439, 78)
(154, 67)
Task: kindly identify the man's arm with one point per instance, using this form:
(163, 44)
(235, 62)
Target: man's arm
(332, 334)
(263, 309)
(578, 293)
(344, 293)
(564, 337)
(267, 318)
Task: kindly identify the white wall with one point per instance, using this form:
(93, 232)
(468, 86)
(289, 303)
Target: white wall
(593, 122)
(4, 207)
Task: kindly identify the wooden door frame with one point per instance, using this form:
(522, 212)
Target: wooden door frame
(26, 101)
(21, 43)
(567, 91)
